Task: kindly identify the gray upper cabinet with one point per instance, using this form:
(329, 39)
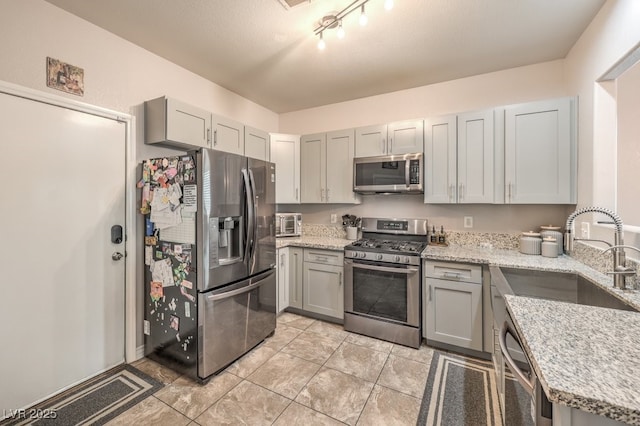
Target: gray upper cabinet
(459, 158)
(313, 160)
(285, 153)
(256, 143)
(228, 135)
(327, 161)
(540, 152)
(475, 157)
(402, 137)
(169, 122)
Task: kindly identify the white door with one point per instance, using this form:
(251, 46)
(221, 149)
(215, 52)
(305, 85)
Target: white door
(63, 295)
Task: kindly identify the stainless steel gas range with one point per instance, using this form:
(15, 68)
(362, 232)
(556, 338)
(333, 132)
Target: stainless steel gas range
(383, 280)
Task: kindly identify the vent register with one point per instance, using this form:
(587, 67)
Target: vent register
(288, 4)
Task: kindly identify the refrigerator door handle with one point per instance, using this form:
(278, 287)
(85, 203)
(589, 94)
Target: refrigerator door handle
(250, 219)
(254, 283)
(254, 217)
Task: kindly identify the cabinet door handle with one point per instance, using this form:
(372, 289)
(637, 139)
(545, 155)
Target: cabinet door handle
(327, 195)
(509, 190)
(390, 150)
(208, 137)
(340, 278)
(455, 275)
(383, 145)
(460, 192)
(321, 194)
(282, 260)
(215, 137)
(295, 276)
(429, 292)
(296, 194)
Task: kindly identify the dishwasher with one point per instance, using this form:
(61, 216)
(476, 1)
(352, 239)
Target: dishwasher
(522, 399)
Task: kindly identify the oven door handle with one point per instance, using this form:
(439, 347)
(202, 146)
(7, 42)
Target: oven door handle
(526, 382)
(408, 270)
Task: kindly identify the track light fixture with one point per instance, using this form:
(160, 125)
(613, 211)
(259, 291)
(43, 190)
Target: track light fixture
(334, 20)
(321, 43)
(363, 17)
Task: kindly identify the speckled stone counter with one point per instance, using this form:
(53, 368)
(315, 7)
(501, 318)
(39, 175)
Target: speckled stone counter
(585, 357)
(515, 259)
(326, 243)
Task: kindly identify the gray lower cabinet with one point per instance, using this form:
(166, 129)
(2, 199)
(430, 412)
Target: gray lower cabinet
(322, 284)
(295, 275)
(452, 301)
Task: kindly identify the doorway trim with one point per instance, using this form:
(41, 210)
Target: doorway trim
(130, 196)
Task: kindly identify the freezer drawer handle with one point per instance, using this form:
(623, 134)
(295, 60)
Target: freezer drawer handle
(236, 292)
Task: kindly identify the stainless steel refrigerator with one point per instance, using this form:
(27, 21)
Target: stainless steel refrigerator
(210, 282)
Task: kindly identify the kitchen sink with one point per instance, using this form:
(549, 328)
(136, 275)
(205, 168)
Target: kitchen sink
(561, 286)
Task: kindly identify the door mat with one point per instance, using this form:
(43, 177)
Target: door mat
(460, 391)
(93, 402)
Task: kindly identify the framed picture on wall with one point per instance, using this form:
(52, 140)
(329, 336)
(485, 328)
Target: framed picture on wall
(65, 77)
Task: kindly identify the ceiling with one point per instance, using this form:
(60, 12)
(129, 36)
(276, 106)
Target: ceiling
(268, 53)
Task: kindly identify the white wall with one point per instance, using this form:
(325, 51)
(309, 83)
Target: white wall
(540, 81)
(614, 31)
(118, 74)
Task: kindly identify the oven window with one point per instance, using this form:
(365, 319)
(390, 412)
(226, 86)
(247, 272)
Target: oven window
(380, 294)
(381, 173)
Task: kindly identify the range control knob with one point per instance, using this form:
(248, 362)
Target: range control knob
(396, 258)
(363, 255)
(379, 257)
(406, 259)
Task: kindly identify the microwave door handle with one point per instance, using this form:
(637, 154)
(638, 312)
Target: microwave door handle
(522, 378)
(249, 221)
(407, 174)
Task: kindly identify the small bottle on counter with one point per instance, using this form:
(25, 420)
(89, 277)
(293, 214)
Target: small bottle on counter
(433, 239)
(442, 238)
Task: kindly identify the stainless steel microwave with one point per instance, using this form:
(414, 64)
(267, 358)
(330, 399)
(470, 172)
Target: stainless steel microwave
(288, 224)
(389, 174)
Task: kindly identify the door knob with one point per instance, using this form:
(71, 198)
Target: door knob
(117, 255)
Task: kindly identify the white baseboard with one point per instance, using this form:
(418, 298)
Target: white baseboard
(139, 352)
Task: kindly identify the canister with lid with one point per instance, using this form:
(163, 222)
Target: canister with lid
(530, 243)
(553, 231)
(549, 247)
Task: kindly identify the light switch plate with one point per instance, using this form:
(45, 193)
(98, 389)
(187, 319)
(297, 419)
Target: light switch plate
(334, 218)
(584, 230)
(468, 221)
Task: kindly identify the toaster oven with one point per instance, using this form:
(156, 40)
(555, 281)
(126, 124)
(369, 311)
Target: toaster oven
(288, 224)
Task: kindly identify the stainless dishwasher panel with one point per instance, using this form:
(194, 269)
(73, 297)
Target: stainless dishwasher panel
(234, 319)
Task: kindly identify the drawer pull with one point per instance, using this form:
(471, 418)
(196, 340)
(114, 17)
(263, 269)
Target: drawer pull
(456, 275)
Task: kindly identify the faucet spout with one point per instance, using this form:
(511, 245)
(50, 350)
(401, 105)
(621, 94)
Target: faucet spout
(619, 260)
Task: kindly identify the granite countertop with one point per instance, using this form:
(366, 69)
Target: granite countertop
(515, 259)
(326, 243)
(585, 357)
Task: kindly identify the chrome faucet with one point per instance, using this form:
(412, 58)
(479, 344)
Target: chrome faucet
(620, 270)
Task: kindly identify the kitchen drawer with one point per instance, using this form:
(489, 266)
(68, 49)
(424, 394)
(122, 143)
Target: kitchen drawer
(454, 271)
(324, 256)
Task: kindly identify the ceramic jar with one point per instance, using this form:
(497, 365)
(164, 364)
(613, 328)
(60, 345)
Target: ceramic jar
(549, 247)
(553, 231)
(530, 243)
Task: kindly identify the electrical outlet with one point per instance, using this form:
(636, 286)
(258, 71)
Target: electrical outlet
(584, 230)
(334, 218)
(468, 221)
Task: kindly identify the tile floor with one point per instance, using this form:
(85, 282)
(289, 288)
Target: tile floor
(309, 372)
